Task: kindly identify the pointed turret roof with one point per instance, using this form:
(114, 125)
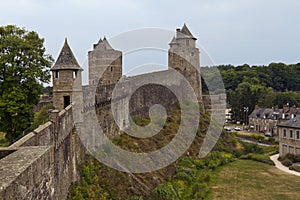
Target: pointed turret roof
(66, 59)
(186, 32)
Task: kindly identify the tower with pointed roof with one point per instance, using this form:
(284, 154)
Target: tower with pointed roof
(184, 57)
(67, 79)
(105, 64)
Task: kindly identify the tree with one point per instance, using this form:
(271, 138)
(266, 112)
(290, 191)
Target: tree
(24, 66)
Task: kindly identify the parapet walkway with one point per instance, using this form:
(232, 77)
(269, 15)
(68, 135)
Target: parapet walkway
(281, 167)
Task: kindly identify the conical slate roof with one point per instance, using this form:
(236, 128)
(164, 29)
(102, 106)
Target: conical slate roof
(66, 59)
(186, 32)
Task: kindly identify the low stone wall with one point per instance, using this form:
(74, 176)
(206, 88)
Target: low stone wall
(27, 174)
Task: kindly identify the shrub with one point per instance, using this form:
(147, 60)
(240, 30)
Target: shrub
(257, 136)
(165, 192)
(287, 162)
(135, 198)
(184, 176)
(186, 162)
(199, 190)
(295, 168)
(199, 164)
(258, 157)
(251, 148)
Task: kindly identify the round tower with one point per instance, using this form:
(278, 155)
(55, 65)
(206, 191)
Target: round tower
(184, 57)
(67, 79)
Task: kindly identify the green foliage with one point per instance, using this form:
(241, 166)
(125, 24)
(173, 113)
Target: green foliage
(42, 116)
(88, 187)
(259, 157)
(258, 136)
(165, 192)
(289, 159)
(267, 86)
(252, 148)
(23, 66)
(295, 168)
(135, 198)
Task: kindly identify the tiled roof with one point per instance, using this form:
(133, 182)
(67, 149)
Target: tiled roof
(291, 123)
(269, 113)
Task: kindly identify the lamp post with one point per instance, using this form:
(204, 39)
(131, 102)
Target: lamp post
(246, 109)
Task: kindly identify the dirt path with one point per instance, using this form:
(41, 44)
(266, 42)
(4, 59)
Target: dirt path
(281, 167)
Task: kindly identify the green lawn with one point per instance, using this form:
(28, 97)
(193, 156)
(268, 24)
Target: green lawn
(246, 179)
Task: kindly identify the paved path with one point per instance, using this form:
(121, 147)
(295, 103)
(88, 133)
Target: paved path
(281, 167)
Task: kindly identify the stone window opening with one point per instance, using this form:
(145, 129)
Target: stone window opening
(298, 135)
(111, 69)
(291, 134)
(284, 133)
(56, 74)
(74, 74)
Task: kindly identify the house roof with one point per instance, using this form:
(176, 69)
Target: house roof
(291, 123)
(270, 113)
(66, 59)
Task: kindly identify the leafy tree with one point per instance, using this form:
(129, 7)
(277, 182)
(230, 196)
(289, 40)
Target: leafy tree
(24, 66)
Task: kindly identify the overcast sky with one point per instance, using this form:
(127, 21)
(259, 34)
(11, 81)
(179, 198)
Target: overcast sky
(231, 31)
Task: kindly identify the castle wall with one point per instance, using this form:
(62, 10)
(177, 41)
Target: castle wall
(44, 163)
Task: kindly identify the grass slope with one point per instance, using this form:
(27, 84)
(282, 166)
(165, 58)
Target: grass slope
(246, 179)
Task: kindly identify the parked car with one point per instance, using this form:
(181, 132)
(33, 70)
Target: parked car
(237, 128)
(227, 128)
(268, 134)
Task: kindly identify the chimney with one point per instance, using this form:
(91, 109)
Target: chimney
(286, 108)
(177, 32)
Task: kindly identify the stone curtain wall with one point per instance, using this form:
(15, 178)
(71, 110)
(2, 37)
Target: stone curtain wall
(44, 163)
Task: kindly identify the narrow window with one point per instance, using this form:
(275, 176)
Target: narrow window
(111, 69)
(298, 135)
(284, 133)
(291, 134)
(74, 74)
(56, 74)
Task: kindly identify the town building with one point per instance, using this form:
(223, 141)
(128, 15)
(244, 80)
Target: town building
(267, 119)
(289, 136)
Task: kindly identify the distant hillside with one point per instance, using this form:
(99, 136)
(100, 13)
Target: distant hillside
(246, 87)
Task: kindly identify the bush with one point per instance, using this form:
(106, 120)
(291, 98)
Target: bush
(165, 192)
(199, 190)
(295, 168)
(186, 162)
(199, 163)
(184, 176)
(251, 148)
(287, 162)
(257, 136)
(135, 198)
(258, 157)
